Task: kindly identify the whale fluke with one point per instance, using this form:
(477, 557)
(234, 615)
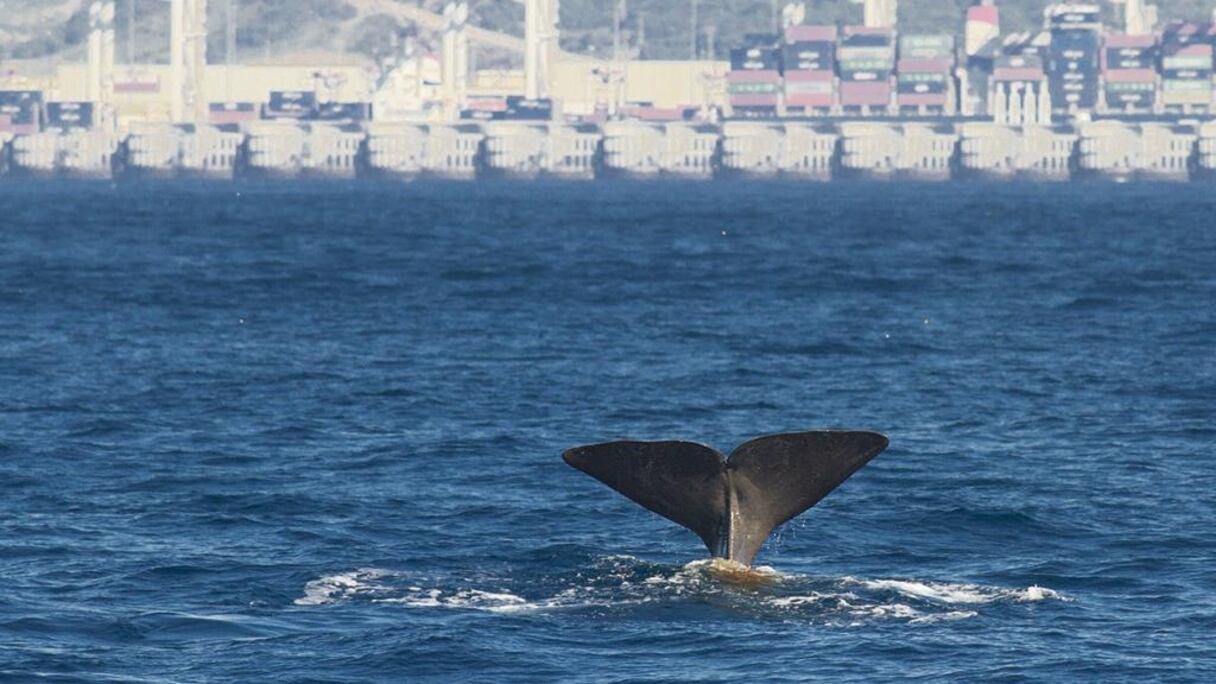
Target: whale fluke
(734, 503)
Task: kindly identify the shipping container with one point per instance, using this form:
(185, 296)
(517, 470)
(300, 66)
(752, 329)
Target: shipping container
(1131, 76)
(939, 66)
(873, 94)
(762, 112)
(69, 115)
(936, 46)
(941, 99)
(808, 56)
(1070, 16)
(23, 108)
(811, 34)
(1186, 74)
(136, 85)
(754, 88)
(1186, 86)
(224, 113)
(1189, 93)
(1120, 95)
(922, 83)
(649, 112)
(1129, 58)
(810, 89)
(520, 108)
(1021, 61)
(1122, 40)
(882, 54)
(344, 111)
(1072, 94)
(1187, 62)
(290, 104)
(486, 104)
(755, 59)
(1181, 35)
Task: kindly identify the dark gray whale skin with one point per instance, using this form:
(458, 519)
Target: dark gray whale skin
(734, 503)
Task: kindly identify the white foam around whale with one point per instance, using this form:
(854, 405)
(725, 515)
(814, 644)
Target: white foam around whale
(623, 581)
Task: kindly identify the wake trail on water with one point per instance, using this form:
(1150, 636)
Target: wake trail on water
(621, 584)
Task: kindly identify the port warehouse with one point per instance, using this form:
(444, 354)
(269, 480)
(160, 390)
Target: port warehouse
(1071, 100)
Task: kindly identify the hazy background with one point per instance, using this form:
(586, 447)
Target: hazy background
(56, 29)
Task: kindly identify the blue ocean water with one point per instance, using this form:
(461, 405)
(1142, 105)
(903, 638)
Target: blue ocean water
(312, 432)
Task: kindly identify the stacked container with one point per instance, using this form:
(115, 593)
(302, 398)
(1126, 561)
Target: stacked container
(69, 115)
(754, 81)
(924, 73)
(1073, 66)
(229, 113)
(866, 58)
(1186, 69)
(290, 104)
(809, 61)
(20, 112)
(1129, 72)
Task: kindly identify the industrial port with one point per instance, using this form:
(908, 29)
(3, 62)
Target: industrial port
(1076, 98)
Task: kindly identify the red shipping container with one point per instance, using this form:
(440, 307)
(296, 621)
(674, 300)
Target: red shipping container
(865, 93)
(1130, 76)
(1194, 50)
(134, 87)
(487, 104)
(809, 76)
(809, 100)
(810, 34)
(866, 31)
(924, 66)
(926, 99)
(1121, 40)
(659, 113)
(754, 100)
(767, 76)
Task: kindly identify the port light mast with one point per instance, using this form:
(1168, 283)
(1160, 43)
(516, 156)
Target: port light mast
(101, 48)
(879, 13)
(187, 60)
(541, 45)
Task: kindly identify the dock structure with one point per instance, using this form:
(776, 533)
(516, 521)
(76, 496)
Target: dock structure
(1148, 151)
(520, 149)
(276, 149)
(1205, 162)
(209, 152)
(806, 150)
(646, 149)
(332, 151)
(907, 150)
(753, 148)
(397, 150)
(76, 153)
(186, 151)
(809, 151)
(453, 150)
(6, 152)
(998, 151)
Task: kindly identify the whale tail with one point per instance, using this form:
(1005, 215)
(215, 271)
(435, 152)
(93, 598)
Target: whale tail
(734, 503)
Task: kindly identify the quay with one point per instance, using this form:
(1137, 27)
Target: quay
(812, 151)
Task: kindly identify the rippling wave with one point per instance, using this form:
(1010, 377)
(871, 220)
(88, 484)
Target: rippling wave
(298, 433)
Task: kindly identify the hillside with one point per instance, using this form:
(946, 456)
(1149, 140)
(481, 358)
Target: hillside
(56, 28)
